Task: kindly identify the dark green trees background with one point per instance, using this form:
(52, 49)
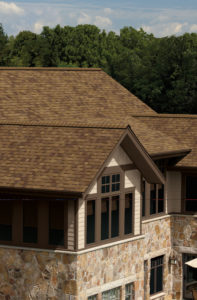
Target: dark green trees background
(160, 71)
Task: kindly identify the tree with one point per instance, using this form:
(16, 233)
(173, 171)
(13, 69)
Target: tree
(3, 42)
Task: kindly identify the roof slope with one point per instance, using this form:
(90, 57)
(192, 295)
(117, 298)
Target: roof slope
(183, 128)
(63, 94)
(53, 158)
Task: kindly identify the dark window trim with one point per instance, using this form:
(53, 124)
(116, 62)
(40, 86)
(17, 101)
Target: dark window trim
(149, 216)
(155, 278)
(97, 197)
(183, 192)
(17, 223)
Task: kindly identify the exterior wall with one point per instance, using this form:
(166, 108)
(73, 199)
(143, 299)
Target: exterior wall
(93, 189)
(173, 190)
(119, 158)
(35, 274)
(28, 274)
(81, 224)
(133, 179)
(184, 229)
(117, 265)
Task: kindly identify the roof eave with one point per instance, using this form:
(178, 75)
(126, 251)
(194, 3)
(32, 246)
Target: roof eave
(138, 154)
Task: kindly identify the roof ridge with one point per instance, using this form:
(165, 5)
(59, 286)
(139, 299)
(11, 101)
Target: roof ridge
(64, 125)
(48, 69)
(183, 116)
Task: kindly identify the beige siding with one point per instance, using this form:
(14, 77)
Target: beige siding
(81, 224)
(93, 188)
(71, 225)
(119, 158)
(133, 179)
(173, 191)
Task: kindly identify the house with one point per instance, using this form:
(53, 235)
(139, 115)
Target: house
(98, 192)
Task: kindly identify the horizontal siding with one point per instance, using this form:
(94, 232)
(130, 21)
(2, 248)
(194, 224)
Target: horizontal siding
(71, 225)
(81, 224)
(93, 190)
(119, 158)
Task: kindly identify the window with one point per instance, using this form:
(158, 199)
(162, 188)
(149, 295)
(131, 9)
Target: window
(56, 222)
(143, 198)
(128, 213)
(5, 220)
(189, 276)
(109, 217)
(115, 182)
(110, 183)
(129, 291)
(153, 191)
(191, 194)
(104, 218)
(156, 276)
(30, 230)
(156, 198)
(105, 188)
(92, 297)
(91, 221)
(114, 216)
(113, 294)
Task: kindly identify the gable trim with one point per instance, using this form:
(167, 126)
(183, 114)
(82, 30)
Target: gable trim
(138, 154)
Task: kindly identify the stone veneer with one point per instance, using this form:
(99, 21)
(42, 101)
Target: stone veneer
(27, 274)
(34, 274)
(184, 229)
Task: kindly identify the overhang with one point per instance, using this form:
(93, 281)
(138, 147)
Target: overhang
(137, 153)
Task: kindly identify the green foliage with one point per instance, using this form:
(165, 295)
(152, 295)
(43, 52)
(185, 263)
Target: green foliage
(160, 71)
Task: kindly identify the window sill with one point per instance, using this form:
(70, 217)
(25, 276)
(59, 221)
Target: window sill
(155, 218)
(157, 296)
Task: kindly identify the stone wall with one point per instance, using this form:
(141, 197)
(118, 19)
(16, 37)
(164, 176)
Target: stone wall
(27, 274)
(184, 230)
(33, 274)
(98, 270)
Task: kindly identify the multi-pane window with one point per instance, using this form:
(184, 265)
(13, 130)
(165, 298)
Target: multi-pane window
(113, 294)
(191, 194)
(56, 222)
(156, 198)
(156, 276)
(6, 220)
(105, 187)
(92, 297)
(115, 182)
(129, 291)
(110, 183)
(109, 217)
(30, 217)
(128, 213)
(189, 276)
(91, 221)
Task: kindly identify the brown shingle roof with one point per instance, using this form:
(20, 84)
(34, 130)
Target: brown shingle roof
(59, 94)
(53, 158)
(183, 128)
(58, 126)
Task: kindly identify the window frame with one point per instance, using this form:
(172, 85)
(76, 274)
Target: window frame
(132, 293)
(183, 192)
(98, 196)
(147, 201)
(155, 275)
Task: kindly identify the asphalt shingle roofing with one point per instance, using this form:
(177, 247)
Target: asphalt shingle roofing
(183, 128)
(58, 126)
